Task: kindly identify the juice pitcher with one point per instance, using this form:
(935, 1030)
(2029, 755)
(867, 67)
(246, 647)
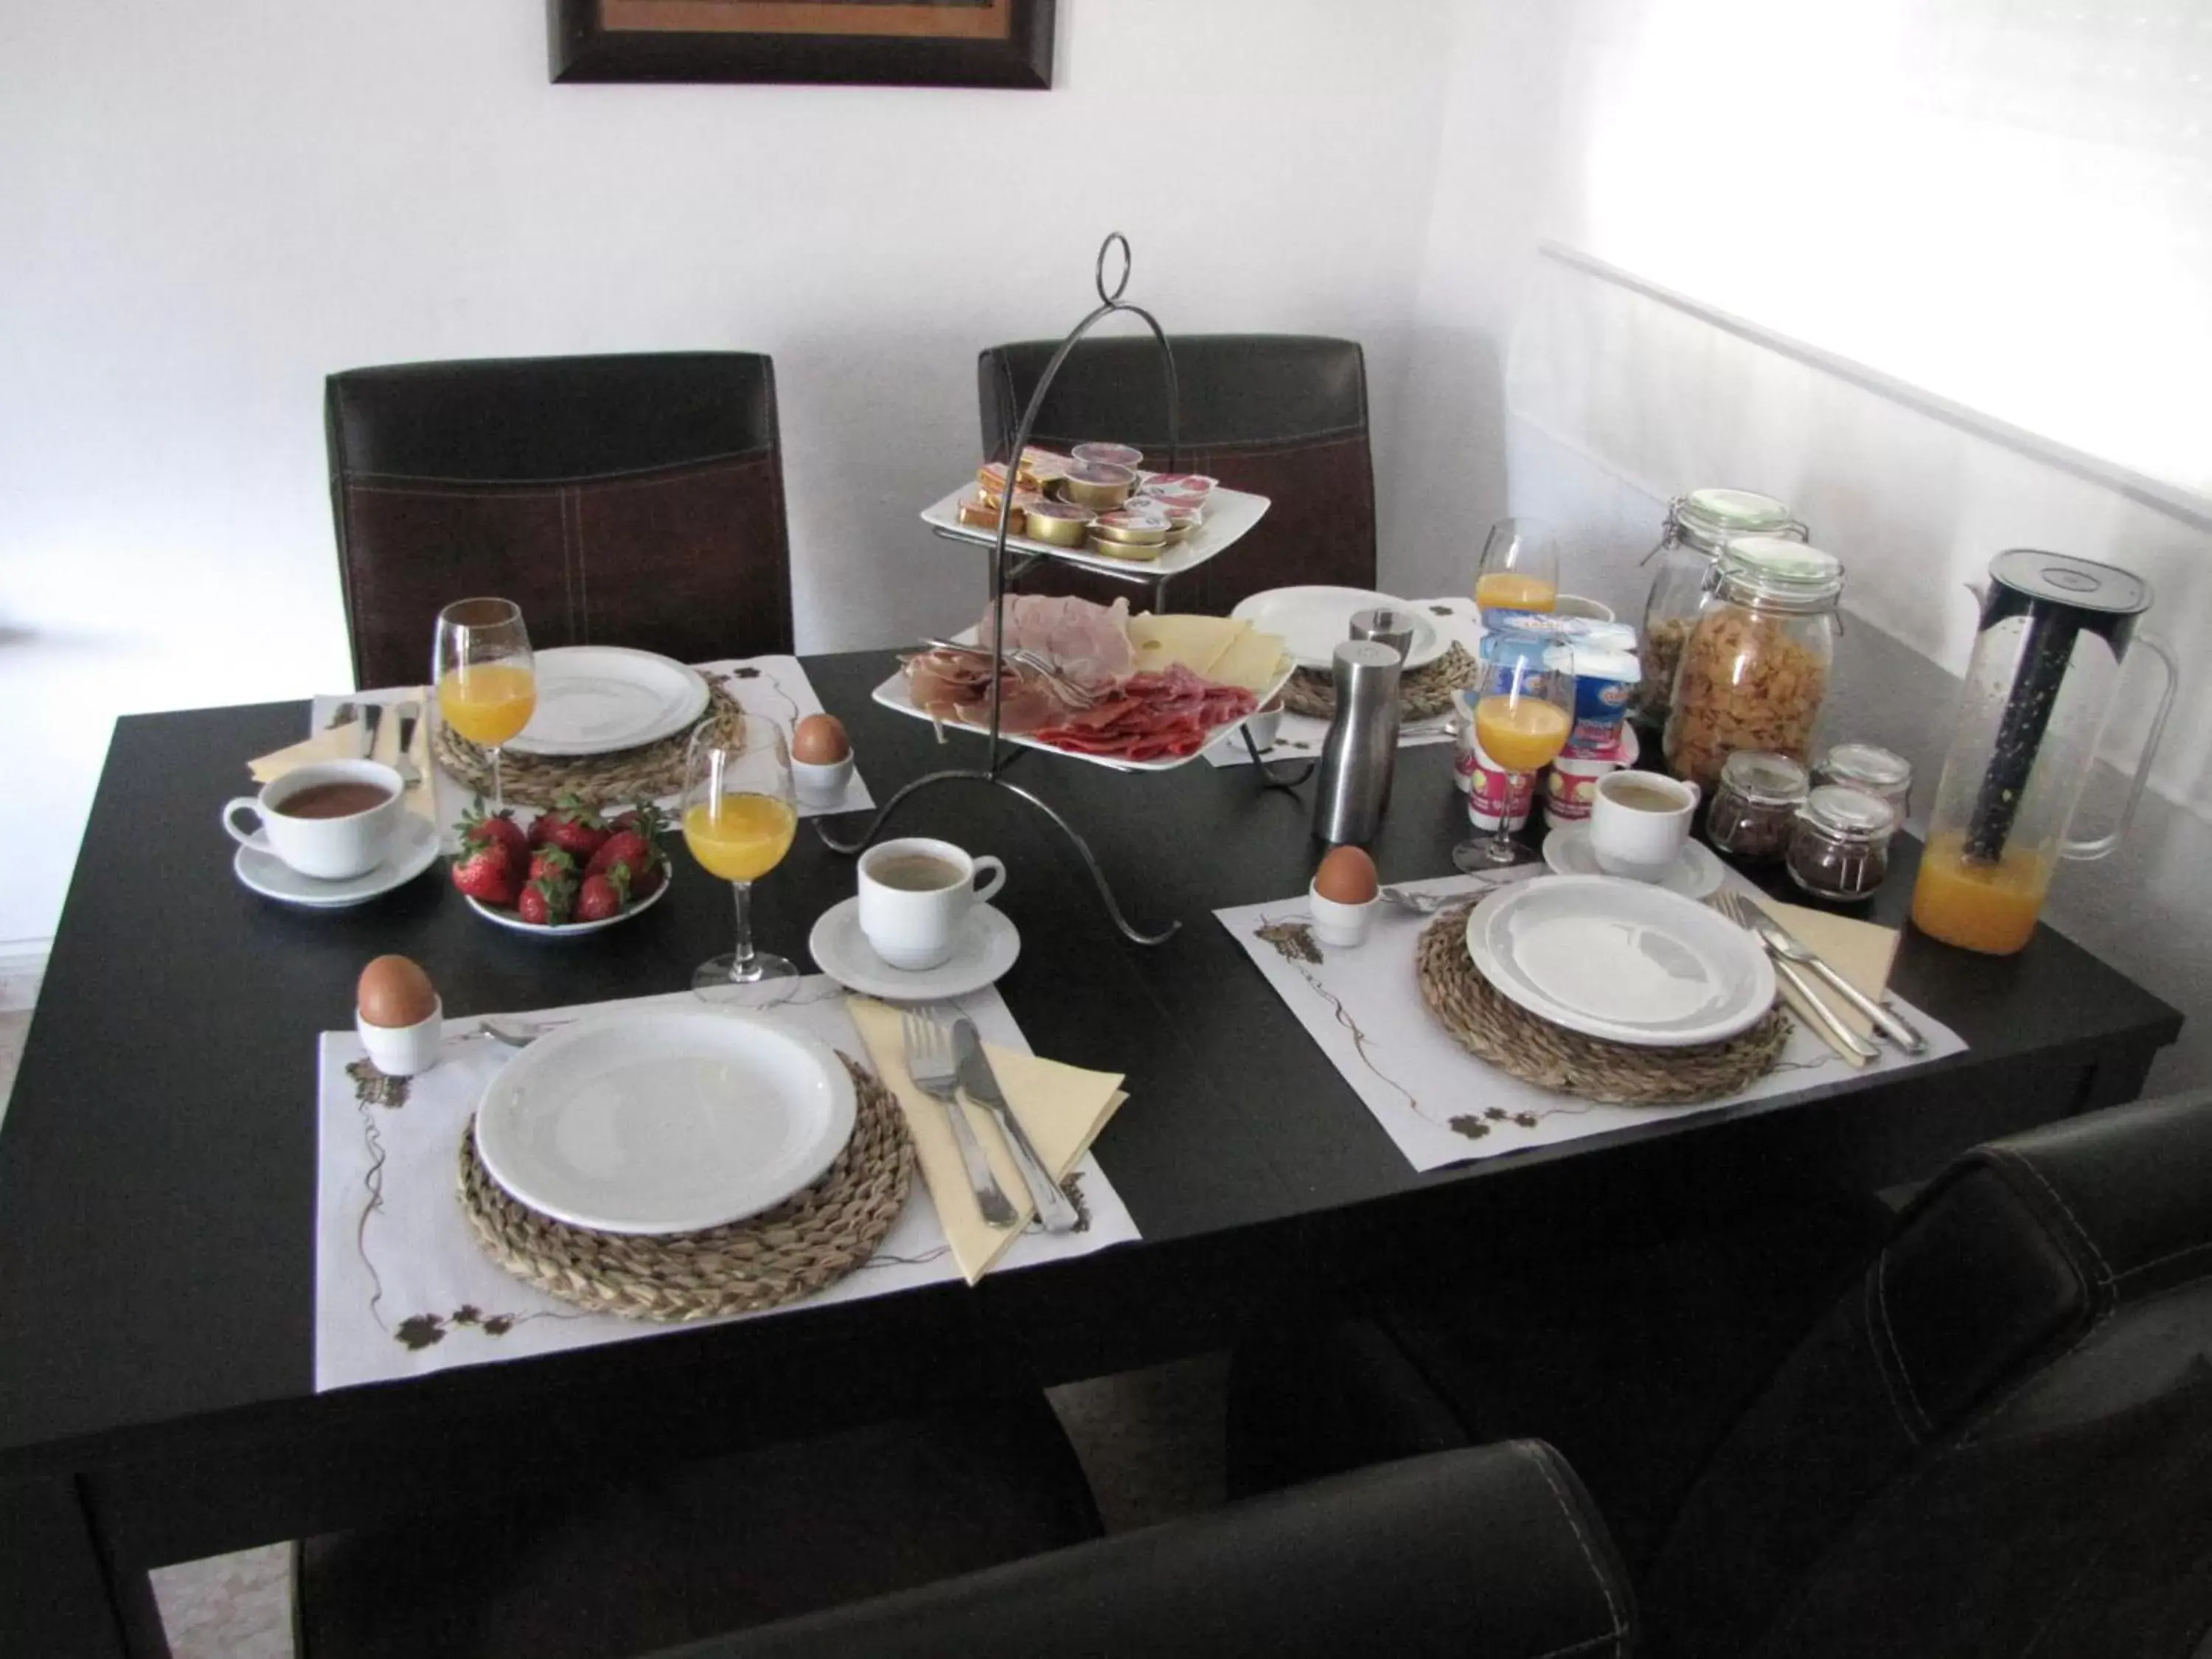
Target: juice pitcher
(2042, 685)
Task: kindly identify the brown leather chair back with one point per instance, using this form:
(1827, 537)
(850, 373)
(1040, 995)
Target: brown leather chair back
(624, 500)
(1283, 415)
(1999, 1442)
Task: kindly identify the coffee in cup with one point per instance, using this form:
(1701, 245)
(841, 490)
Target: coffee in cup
(1639, 822)
(331, 821)
(915, 894)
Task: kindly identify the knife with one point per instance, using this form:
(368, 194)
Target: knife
(370, 714)
(1054, 1209)
(1788, 946)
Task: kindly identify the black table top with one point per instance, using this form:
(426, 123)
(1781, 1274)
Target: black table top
(157, 1162)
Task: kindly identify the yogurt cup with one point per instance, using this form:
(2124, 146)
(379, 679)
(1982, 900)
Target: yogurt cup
(1098, 485)
(1062, 523)
(1570, 786)
(1105, 454)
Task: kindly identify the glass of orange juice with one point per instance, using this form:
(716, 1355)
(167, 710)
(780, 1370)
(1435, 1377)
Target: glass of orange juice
(487, 679)
(1522, 721)
(738, 820)
(1520, 567)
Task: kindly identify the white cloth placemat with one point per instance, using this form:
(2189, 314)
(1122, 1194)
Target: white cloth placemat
(1440, 1104)
(402, 1288)
(1299, 736)
(774, 687)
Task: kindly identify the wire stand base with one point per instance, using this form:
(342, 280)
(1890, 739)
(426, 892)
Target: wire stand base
(1268, 780)
(1129, 931)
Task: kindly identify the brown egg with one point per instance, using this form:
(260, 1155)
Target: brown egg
(394, 992)
(1346, 876)
(819, 740)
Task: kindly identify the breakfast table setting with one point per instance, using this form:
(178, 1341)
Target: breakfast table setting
(446, 1144)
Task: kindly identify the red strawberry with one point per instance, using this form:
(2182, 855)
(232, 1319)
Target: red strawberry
(623, 847)
(571, 826)
(603, 897)
(544, 904)
(646, 819)
(477, 825)
(551, 863)
(488, 873)
(645, 879)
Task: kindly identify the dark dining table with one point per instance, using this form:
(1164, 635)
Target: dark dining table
(157, 1164)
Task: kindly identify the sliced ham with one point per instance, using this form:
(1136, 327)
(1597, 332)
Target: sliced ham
(1087, 642)
(1170, 714)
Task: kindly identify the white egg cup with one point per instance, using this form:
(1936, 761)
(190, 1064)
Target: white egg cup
(1344, 925)
(404, 1050)
(822, 786)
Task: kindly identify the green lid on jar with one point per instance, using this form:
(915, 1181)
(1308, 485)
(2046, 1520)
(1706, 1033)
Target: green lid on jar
(1705, 517)
(1777, 569)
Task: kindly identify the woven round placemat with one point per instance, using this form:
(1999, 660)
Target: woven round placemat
(793, 1250)
(1493, 1027)
(1422, 695)
(650, 770)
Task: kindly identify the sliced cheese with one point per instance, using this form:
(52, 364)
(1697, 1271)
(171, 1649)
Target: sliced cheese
(1196, 642)
(1250, 661)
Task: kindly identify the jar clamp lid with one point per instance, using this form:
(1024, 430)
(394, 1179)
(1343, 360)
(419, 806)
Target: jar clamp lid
(1778, 572)
(1763, 778)
(1705, 518)
(1849, 814)
(1867, 766)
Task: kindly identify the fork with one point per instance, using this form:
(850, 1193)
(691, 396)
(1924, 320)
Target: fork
(929, 1062)
(1070, 693)
(1738, 909)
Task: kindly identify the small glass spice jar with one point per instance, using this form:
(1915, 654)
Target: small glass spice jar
(1869, 767)
(1839, 846)
(1755, 808)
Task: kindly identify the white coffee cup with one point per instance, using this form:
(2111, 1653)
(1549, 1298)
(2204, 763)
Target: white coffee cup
(917, 927)
(1639, 822)
(324, 848)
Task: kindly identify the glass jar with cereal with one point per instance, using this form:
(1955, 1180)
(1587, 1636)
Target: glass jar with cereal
(1697, 526)
(1755, 667)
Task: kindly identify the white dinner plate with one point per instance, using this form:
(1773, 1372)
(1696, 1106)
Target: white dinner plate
(1697, 873)
(1228, 514)
(988, 947)
(511, 919)
(1315, 620)
(1621, 960)
(413, 849)
(665, 1120)
(892, 694)
(595, 699)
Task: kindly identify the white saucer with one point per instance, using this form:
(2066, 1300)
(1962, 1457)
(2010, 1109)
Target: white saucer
(1696, 874)
(987, 950)
(414, 848)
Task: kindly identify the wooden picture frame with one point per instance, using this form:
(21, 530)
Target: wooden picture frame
(913, 42)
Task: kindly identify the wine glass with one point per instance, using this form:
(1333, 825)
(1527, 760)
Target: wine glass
(1521, 724)
(487, 678)
(1520, 567)
(739, 816)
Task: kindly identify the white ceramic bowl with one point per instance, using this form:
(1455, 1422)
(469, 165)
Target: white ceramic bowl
(1264, 723)
(404, 1050)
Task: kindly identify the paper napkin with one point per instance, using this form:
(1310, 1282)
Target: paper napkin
(1061, 1107)
(343, 742)
(1861, 952)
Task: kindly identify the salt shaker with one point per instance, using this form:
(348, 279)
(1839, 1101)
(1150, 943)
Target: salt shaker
(1357, 755)
(1387, 623)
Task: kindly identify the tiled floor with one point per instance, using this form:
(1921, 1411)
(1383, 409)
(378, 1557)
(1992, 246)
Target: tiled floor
(1150, 1440)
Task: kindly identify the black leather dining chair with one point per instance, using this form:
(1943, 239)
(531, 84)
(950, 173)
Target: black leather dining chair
(1494, 1552)
(1994, 1441)
(623, 499)
(569, 1567)
(1283, 415)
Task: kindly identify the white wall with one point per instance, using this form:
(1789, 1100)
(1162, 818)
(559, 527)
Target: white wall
(1539, 384)
(205, 208)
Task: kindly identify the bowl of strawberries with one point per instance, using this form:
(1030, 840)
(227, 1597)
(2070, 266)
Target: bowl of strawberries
(571, 872)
